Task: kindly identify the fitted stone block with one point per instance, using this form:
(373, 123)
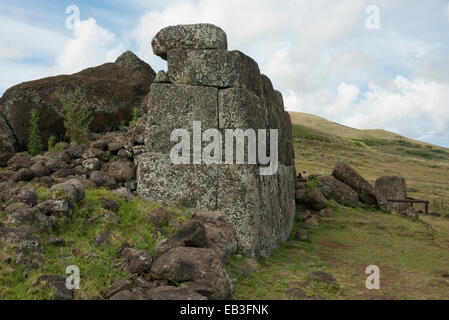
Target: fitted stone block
(177, 107)
(213, 68)
(191, 186)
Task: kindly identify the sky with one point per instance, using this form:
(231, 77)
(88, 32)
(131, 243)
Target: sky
(367, 64)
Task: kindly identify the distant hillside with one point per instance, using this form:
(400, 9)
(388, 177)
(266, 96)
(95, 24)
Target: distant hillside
(313, 127)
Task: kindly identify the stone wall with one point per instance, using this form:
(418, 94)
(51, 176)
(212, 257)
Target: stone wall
(224, 90)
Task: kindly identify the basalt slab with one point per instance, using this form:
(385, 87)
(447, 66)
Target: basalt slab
(214, 68)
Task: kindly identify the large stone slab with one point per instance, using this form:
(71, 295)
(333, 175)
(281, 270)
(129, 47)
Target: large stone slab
(213, 68)
(238, 197)
(240, 108)
(177, 107)
(394, 188)
(346, 174)
(338, 191)
(191, 186)
(278, 208)
(191, 36)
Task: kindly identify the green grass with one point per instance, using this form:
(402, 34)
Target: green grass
(98, 265)
(410, 254)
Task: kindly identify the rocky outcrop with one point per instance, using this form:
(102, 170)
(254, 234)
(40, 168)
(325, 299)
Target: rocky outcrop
(367, 193)
(223, 90)
(338, 191)
(394, 188)
(112, 91)
(7, 140)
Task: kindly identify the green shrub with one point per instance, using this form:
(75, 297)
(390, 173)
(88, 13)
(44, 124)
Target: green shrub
(35, 146)
(75, 113)
(122, 126)
(52, 148)
(136, 116)
(51, 143)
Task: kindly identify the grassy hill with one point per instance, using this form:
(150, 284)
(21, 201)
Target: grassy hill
(413, 256)
(319, 144)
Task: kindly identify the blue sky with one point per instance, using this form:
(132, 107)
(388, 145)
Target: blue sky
(319, 54)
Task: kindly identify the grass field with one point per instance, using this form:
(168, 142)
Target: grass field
(413, 256)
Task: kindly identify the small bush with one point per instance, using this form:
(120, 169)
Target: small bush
(75, 113)
(136, 116)
(122, 126)
(52, 148)
(35, 146)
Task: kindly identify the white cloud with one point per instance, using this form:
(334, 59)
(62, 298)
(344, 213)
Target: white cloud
(21, 39)
(446, 11)
(413, 107)
(91, 45)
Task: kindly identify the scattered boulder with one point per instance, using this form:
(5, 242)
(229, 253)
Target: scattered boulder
(326, 213)
(159, 215)
(392, 187)
(22, 240)
(122, 171)
(353, 179)
(220, 233)
(115, 146)
(109, 216)
(176, 265)
(123, 193)
(4, 158)
(165, 245)
(23, 174)
(136, 261)
(20, 161)
(39, 169)
(73, 188)
(314, 199)
(56, 207)
(101, 239)
(27, 195)
(75, 151)
(311, 223)
(338, 191)
(102, 179)
(307, 215)
(118, 286)
(301, 235)
(109, 204)
(192, 234)
(92, 164)
(30, 216)
(56, 242)
(58, 286)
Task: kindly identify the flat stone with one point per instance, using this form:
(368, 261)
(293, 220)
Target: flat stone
(193, 36)
(213, 68)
